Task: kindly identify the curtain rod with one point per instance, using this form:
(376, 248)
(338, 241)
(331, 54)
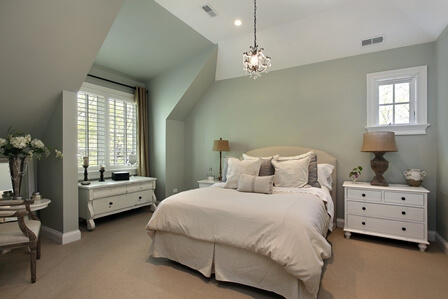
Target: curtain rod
(125, 85)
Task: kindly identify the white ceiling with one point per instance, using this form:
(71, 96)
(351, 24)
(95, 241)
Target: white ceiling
(292, 32)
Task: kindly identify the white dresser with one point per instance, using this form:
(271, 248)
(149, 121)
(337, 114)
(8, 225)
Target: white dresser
(397, 212)
(100, 199)
(206, 183)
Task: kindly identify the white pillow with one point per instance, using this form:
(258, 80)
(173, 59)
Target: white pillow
(247, 157)
(324, 177)
(280, 158)
(235, 168)
(291, 173)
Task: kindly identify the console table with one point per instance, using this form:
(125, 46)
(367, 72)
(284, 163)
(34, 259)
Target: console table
(101, 199)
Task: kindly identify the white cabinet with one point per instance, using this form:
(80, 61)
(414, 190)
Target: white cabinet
(206, 183)
(100, 199)
(397, 212)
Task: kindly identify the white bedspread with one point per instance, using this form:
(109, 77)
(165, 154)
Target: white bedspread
(285, 226)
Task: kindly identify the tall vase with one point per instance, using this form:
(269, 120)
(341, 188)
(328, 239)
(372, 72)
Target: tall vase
(17, 168)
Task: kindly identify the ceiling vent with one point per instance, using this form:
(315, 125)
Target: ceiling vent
(372, 41)
(210, 10)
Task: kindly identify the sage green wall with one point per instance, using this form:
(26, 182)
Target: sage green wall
(58, 178)
(321, 105)
(442, 134)
(171, 96)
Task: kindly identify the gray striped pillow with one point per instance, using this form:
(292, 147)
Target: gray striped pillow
(255, 184)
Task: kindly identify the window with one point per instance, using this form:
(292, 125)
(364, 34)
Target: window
(107, 128)
(397, 101)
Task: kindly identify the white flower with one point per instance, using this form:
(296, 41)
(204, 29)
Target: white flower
(28, 138)
(58, 154)
(37, 143)
(2, 142)
(19, 142)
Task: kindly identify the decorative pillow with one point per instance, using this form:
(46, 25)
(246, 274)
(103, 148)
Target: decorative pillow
(312, 167)
(324, 176)
(256, 184)
(291, 173)
(266, 166)
(235, 168)
(224, 169)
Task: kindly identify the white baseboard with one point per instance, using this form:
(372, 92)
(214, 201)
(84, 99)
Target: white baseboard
(61, 238)
(431, 234)
(443, 244)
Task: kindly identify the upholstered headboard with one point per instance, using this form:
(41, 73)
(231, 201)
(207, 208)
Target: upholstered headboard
(322, 157)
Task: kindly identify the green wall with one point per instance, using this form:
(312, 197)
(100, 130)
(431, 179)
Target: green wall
(321, 105)
(172, 95)
(442, 134)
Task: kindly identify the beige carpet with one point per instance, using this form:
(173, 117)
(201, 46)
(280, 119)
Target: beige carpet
(112, 262)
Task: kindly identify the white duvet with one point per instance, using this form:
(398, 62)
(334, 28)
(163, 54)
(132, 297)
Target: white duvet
(285, 226)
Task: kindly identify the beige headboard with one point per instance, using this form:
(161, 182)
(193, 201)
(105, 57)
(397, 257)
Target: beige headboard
(322, 157)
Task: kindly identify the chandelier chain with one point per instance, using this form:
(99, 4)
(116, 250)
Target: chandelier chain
(255, 24)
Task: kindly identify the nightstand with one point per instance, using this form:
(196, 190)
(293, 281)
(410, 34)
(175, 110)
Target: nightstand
(397, 212)
(206, 183)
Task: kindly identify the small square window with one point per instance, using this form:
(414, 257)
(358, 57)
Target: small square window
(397, 101)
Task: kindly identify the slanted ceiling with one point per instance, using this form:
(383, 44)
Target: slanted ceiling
(46, 47)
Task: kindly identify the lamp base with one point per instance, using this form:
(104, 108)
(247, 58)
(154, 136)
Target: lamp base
(379, 166)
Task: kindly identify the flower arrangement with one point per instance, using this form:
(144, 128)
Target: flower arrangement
(18, 148)
(355, 173)
(18, 144)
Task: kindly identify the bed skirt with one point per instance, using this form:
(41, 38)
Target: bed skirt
(228, 263)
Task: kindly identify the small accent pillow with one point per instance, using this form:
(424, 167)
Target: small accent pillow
(256, 184)
(266, 167)
(312, 167)
(291, 173)
(235, 168)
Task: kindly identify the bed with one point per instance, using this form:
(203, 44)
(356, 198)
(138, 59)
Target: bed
(276, 242)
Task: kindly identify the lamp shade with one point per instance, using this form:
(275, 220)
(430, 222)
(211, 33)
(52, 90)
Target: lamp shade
(221, 145)
(379, 142)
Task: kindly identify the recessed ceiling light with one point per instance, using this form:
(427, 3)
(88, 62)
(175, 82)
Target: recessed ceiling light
(237, 22)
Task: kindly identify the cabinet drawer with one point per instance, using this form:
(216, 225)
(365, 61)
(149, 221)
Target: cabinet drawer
(109, 204)
(108, 191)
(362, 194)
(404, 198)
(140, 186)
(386, 211)
(137, 198)
(387, 227)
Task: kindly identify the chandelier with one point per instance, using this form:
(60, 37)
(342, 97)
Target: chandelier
(254, 60)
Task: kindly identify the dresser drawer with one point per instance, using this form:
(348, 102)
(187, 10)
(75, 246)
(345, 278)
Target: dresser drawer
(141, 197)
(140, 186)
(365, 195)
(108, 191)
(387, 227)
(386, 211)
(414, 199)
(109, 204)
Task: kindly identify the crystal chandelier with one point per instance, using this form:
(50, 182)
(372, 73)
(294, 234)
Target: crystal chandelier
(254, 60)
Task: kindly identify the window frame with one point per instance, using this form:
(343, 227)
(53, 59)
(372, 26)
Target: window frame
(109, 93)
(417, 76)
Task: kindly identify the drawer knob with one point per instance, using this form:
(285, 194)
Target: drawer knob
(139, 197)
(363, 223)
(111, 203)
(403, 213)
(363, 208)
(403, 198)
(403, 229)
(363, 195)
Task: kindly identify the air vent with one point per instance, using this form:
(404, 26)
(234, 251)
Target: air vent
(210, 10)
(372, 41)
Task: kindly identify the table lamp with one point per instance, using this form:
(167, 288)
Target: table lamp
(379, 143)
(221, 146)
